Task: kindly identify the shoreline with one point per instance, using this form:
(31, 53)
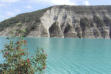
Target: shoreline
(62, 37)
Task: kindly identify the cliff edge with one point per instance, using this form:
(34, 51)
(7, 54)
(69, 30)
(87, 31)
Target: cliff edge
(62, 21)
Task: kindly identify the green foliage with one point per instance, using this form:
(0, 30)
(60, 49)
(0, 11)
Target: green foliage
(15, 63)
(18, 32)
(39, 62)
(22, 18)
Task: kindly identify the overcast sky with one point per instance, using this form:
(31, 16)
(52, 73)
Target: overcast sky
(10, 8)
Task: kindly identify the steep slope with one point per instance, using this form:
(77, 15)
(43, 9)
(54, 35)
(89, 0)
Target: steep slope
(62, 21)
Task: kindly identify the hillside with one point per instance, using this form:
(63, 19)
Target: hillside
(62, 21)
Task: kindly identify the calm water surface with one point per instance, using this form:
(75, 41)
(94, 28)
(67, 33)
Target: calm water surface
(72, 56)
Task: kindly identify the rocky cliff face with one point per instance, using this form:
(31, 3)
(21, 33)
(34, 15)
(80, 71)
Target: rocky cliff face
(62, 21)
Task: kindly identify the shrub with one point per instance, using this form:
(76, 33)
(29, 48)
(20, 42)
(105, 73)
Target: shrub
(17, 61)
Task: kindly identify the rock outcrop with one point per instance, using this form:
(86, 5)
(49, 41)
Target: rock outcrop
(62, 21)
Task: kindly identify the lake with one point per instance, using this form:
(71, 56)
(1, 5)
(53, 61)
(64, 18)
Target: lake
(72, 56)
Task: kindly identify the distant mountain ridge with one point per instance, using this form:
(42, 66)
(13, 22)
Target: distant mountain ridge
(62, 21)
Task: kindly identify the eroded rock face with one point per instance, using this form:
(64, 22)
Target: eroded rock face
(66, 21)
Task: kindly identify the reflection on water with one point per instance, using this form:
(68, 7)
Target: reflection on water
(72, 56)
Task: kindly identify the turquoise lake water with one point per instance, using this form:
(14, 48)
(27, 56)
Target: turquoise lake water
(72, 56)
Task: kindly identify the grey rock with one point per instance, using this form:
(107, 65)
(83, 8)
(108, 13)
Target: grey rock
(63, 21)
